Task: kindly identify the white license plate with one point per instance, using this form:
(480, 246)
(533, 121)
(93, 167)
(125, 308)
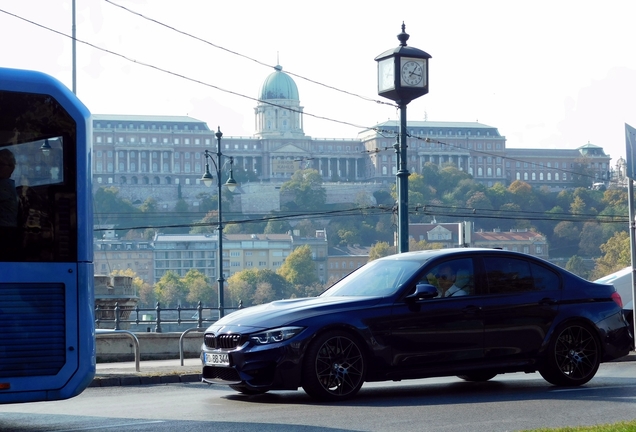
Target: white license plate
(217, 359)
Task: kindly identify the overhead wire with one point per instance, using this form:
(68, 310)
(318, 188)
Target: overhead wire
(160, 23)
(379, 130)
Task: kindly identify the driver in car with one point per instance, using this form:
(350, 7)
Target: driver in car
(446, 281)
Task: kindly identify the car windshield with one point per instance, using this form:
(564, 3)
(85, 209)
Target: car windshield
(378, 278)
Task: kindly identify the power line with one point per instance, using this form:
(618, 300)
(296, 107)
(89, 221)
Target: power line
(178, 75)
(245, 56)
(376, 129)
(431, 210)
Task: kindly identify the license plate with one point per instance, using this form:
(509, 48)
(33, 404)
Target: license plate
(217, 359)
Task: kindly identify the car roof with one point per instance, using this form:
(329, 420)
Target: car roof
(425, 255)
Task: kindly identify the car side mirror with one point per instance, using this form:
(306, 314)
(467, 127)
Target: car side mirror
(423, 291)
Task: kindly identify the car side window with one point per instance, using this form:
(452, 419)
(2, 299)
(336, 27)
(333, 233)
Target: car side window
(544, 278)
(508, 275)
(452, 278)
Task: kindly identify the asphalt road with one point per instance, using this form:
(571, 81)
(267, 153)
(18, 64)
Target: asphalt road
(507, 403)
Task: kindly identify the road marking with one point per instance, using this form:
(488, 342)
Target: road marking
(591, 388)
(113, 426)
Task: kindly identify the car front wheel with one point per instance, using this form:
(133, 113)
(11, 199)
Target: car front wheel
(574, 356)
(334, 367)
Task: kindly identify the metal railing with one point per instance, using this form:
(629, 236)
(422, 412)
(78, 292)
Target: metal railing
(132, 337)
(119, 315)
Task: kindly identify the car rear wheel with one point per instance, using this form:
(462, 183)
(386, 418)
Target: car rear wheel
(246, 390)
(334, 367)
(574, 356)
(478, 376)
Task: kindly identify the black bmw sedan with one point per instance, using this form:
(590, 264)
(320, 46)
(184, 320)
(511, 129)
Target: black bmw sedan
(474, 313)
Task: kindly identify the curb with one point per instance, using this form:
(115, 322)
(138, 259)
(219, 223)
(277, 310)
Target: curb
(113, 381)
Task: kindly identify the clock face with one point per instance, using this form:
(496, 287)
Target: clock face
(412, 73)
(386, 74)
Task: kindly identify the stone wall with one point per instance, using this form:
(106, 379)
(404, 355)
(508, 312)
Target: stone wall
(152, 346)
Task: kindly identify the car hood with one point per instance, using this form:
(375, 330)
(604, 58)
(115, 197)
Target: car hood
(287, 312)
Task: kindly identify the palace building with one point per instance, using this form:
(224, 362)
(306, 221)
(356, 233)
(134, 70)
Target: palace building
(157, 155)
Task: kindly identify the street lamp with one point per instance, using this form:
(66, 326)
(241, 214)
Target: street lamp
(402, 77)
(231, 185)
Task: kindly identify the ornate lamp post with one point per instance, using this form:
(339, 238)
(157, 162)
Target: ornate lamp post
(402, 77)
(231, 184)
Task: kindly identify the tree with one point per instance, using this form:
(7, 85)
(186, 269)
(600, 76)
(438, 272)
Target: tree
(110, 208)
(306, 190)
(208, 224)
(264, 293)
(181, 206)
(199, 289)
(380, 249)
(616, 255)
(243, 286)
(422, 245)
(170, 290)
(277, 226)
(298, 268)
(576, 266)
(149, 205)
(591, 239)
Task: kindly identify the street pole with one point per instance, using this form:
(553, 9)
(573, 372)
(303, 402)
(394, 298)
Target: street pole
(220, 279)
(403, 186)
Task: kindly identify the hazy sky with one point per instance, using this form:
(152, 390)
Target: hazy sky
(546, 73)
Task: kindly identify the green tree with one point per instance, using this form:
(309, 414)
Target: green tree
(277, 226)
(181, 206)
(306, 190)
(591, 239)
(207, 202)
(207, 225)
(299, 268)
(110, 208)
(243, 286)
(170, 289)
(149, 205)
(199, 289)
(575, 265)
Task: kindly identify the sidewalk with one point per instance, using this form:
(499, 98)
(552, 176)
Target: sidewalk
(150, 372)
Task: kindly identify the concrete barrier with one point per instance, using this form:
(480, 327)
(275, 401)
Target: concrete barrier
(152, 346)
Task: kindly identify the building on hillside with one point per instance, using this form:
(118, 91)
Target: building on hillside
(162, 156)
(181, 252)
(112, 254)
(517, 240)
(319, 251)
(343, 260)
(450, 235)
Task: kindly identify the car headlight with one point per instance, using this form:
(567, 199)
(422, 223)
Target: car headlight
(275, 335)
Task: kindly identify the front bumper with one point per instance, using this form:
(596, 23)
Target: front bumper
(260, 367)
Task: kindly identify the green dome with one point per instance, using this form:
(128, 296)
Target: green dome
(279, 85)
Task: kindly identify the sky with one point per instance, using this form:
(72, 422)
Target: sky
(547, 73)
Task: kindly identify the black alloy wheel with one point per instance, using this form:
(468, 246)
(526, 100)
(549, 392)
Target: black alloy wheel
(573, 357)
(334, 367)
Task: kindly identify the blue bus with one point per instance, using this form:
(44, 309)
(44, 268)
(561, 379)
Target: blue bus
(47, 336)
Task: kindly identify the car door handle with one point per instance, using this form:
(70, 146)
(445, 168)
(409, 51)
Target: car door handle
(471, 310)
(547, 301)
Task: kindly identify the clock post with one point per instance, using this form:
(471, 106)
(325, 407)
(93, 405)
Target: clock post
(402, 77)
